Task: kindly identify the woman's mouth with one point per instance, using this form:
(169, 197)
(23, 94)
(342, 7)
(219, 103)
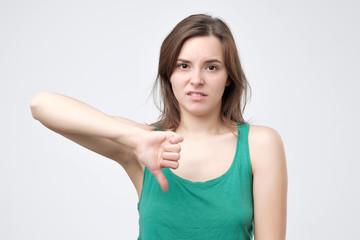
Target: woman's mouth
(196, 94)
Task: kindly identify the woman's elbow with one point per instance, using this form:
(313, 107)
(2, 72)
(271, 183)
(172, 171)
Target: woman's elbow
(37, 102)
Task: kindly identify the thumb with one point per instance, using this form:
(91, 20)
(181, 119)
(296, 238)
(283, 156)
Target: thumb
(161, 179)
(175, 138)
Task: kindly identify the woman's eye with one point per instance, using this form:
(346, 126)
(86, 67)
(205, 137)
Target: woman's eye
(183, 65)
(212, 68)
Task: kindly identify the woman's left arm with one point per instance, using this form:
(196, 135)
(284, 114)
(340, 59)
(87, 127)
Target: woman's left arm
(269, 183)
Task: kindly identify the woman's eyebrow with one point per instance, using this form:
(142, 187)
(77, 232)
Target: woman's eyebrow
(213, 61)
(207, 61)
(183, 60)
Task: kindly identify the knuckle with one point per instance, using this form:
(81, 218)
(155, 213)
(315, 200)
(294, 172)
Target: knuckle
(178, 148)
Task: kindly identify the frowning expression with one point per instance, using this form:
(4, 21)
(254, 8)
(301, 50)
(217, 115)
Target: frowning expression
(200, 76)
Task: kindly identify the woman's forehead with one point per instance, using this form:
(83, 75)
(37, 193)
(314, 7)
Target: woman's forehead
(204, 48)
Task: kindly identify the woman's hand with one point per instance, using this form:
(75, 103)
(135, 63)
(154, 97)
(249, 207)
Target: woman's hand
(157, 150)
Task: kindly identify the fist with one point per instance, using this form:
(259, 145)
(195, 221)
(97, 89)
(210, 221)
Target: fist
(159, 150)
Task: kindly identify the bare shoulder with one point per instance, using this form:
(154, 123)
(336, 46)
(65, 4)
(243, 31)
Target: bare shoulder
(266, 147)
(264, 135)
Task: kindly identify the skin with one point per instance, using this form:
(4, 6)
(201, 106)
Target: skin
(198, 82)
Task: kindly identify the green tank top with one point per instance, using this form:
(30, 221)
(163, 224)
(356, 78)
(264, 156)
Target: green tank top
(221, 208)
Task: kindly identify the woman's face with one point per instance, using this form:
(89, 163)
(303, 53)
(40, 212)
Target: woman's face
(200, 76)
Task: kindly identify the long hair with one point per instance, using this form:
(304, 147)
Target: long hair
(235, 94)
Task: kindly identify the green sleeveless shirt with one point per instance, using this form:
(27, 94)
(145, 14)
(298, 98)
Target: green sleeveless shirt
(221, 208)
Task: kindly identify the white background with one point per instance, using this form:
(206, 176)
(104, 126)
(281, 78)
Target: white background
(301, 59)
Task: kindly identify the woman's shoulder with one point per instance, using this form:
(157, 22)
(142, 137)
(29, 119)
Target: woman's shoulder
(263, 134)
(266, 147)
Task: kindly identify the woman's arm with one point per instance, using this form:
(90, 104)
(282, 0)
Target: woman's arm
(65, 114)
(269, 183)
(131, 144)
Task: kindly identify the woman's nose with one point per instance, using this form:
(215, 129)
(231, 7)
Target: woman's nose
(197, 78)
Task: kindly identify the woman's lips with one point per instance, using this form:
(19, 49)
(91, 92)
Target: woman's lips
(196, 95)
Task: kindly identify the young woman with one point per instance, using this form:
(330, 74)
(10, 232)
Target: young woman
(201, 172)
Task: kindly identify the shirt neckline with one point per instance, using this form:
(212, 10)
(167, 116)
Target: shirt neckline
(169, 173)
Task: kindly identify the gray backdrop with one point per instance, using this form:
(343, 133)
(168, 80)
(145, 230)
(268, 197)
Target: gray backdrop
(301, 59)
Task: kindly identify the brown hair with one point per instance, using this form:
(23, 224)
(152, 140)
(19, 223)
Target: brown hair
(234, 93)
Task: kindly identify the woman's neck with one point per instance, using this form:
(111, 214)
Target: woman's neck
(201, 125)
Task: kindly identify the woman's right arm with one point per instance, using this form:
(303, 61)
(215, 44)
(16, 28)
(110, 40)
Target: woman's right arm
(131, 144)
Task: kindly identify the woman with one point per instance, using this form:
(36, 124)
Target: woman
(230, 181)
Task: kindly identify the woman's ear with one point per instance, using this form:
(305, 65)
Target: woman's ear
(228, 81)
